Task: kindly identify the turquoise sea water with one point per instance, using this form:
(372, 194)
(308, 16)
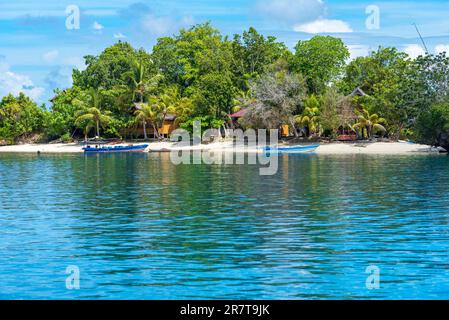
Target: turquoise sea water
(138, 227)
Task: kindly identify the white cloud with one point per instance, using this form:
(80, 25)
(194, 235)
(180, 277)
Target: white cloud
(165, 25)
(119, 35)
(97, 26)
(14, 83)
(51, 56)
(144, 21)
(100, 12)
(3, 65)
(323, 26)
(414, 50)
(292, 11)
(75, 62)
(440, 48)
(356, 51)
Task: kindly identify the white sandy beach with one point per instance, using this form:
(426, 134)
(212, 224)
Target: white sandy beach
(389, 148)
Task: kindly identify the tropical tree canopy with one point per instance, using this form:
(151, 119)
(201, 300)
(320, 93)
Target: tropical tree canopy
(320, 59)
(200, 74)
(91, 115)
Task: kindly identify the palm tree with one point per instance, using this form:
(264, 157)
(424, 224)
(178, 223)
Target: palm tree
(87, 127)
(147, 113)
(92, 116)
(310, 119)
(141, 83)
(368, 123)
(137, 76)
(170, 101)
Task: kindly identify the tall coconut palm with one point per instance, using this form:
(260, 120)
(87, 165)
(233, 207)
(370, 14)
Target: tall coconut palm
(138, 76)
(146, 113)
(368, 124)
(141, 81)
(92, 116)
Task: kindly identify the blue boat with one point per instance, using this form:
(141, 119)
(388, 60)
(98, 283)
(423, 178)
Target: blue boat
(115, 149)
(292, 149)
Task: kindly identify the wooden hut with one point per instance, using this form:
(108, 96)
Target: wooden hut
(346, 133)
(358, 92)
(167, 127)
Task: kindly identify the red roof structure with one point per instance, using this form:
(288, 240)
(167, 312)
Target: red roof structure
(239, 114)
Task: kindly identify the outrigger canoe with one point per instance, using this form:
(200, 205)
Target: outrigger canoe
(116, 149)
(292, 149)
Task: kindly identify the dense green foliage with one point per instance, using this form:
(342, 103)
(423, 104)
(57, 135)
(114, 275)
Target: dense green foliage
(399, 89)
(320, 59)
(200, 74)
(20, 117)
(433, 122)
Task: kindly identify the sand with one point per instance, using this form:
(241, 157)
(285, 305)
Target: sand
(43, 148)
(389, 148)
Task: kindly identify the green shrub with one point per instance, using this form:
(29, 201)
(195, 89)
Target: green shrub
(66, 138)
(20, 117)
(431, 123)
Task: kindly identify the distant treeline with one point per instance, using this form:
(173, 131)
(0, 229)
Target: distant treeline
(200, 74)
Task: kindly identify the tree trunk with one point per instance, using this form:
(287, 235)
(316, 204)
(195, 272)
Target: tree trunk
(163, 121)
(98, 129)
(156, 132)
(295, 132)
(145, 130)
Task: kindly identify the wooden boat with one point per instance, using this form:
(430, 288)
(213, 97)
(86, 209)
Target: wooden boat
(347, 137)
(115, 149)
(292, 149)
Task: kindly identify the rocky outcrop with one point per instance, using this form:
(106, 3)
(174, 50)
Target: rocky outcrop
(443, 141)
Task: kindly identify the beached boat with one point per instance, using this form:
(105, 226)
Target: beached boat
(115, 149)
(291, 149)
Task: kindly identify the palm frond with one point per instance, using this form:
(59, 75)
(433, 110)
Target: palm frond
(379, 127)
(83, 118)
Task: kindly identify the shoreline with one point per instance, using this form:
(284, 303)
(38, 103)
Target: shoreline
(334, 148)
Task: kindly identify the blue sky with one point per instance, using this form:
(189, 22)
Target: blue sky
(38, 52)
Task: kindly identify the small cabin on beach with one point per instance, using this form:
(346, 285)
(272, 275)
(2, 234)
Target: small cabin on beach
(346, 133)
(165, 130)
(168, 126)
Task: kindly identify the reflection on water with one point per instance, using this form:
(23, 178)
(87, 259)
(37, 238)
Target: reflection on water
(139, 227)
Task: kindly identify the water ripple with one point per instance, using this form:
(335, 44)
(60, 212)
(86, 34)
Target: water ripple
(139, 227)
